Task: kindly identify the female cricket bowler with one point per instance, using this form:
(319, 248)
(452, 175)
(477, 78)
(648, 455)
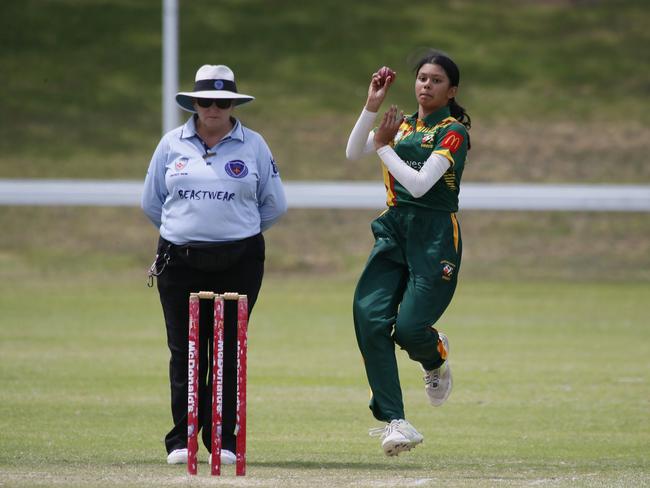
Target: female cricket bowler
(412, 271)
(212, 188)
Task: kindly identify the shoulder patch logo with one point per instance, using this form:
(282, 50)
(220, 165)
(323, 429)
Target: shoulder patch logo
(236, 168)
(181, 163)
(452, 141)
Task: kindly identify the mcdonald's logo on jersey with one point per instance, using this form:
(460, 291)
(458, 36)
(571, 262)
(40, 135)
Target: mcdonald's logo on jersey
(452, 141)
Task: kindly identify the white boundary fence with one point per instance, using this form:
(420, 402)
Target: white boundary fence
(346, 194)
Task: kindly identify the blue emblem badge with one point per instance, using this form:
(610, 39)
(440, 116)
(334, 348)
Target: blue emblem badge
(236, 168)
(218, 84)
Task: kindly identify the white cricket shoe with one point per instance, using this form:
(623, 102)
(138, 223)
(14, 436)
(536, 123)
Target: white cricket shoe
(398, 436)
(438, 382)
(177, 456)
(227, 457)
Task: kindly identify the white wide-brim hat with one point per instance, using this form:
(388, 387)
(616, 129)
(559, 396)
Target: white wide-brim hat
(212, 81)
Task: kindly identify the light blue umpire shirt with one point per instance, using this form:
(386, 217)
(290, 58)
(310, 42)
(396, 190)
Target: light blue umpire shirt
(224, 193)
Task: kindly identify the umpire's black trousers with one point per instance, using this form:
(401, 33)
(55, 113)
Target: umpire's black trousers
(232, 267)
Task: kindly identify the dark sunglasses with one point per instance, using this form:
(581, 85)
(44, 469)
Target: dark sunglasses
(221, 102)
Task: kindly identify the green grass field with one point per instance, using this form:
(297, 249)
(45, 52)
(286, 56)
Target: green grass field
(549, 327)
(551, 388)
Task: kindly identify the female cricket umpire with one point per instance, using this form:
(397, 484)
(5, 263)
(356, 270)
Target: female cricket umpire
(212, 188)
(411, 274)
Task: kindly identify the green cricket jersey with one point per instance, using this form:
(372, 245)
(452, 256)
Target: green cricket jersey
(415, 141)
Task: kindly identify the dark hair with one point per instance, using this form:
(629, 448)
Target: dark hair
(453, 73)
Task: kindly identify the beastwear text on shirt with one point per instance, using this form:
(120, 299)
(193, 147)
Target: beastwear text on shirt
(205, 195)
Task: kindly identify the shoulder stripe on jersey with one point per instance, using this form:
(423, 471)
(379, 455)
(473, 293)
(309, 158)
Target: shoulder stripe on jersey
(446, 154)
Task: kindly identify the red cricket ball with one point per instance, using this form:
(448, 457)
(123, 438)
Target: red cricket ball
(386, 74)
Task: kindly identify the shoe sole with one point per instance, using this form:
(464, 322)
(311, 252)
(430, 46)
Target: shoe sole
(394, 448)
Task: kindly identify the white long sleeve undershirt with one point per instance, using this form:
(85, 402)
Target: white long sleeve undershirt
(360, 141)
(417, 183)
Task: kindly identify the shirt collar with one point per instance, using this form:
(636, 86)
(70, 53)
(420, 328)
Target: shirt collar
(237, 131)
(434, 118)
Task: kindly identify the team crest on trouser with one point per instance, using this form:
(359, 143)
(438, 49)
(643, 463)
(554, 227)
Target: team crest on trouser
(448, 270)
(236, 168)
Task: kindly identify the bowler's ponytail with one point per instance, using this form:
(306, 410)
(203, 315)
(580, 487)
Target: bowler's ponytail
(458, 112)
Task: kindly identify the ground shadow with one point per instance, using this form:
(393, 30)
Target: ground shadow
(332, 465)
